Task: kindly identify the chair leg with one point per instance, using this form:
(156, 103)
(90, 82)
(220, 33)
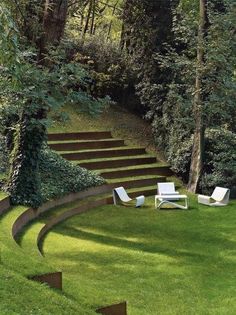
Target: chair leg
(114, 198)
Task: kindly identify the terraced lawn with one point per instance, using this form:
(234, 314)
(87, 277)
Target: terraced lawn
(161, 262)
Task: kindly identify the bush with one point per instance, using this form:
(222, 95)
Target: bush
(220, 169)
(3, 155)
(60, 177)
(220, 160)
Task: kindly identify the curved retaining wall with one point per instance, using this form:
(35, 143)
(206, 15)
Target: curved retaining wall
(4, 205)
(31, 214)
(66, 215)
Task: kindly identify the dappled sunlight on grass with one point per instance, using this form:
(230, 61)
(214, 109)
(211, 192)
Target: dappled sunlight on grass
(166, 262)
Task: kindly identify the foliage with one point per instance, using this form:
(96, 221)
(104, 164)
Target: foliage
(171, 117)
(60, 177)
(95, 17)
(38, 89)
(111, 71)
(220, 159)
(220, 156)
(3, 155)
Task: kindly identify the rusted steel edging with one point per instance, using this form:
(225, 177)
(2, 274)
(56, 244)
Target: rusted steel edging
(4, 205)
(31, 214)
(66, 215)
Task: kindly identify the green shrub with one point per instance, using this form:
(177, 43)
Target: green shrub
(220, 159)
(60, 177)
(220, 167)
(3, 155)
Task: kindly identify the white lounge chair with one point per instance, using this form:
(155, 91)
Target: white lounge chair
(166, 194)
(120, 193)
(220, 198)
(167, 189)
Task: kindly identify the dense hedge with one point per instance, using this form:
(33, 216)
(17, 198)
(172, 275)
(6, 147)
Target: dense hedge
(60, 177)
(219, 161)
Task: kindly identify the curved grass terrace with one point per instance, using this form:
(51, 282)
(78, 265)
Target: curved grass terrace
(161, 262)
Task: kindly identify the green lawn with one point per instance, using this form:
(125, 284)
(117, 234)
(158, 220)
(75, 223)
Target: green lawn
(161, 262)
(20, 296)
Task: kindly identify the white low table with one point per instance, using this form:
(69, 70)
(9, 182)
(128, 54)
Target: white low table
(169, 199)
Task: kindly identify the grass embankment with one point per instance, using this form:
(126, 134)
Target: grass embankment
(123, 124)
(161, 262)
(19, 295)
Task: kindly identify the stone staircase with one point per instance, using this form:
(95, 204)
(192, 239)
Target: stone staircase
(120, 164)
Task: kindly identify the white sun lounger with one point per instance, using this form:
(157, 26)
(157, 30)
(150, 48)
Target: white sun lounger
(121, 194)
(220, 198)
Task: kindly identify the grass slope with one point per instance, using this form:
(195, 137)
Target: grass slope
(161, 262)
(18, 294)
(123, 124)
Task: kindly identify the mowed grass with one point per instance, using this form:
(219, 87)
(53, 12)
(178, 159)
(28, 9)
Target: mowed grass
(20, 296)
(123, 125)
(161, 262)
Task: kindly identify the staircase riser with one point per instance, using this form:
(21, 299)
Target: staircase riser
(138, 183)
(86, 145)
(117, 163)
(102, 154)
(162, 171)
(79, 136)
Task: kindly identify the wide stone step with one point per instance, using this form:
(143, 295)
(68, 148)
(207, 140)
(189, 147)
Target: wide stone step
(118, 163)
(83, 145)
(138, 171)
(90, 135)
(106, 153)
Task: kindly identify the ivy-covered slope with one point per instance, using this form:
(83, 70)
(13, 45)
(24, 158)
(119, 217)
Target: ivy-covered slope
(60, 177)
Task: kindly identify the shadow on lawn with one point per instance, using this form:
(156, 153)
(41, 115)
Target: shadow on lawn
(190, 245)
(142, 255)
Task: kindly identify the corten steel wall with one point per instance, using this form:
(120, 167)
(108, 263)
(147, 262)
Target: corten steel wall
(53, 280)
(116, 309)
(68, 214)
(4, 205)
(32, 214)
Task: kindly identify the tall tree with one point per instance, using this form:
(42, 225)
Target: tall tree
(147, 30)
(53, 24)
(30, 133)
(198, 139)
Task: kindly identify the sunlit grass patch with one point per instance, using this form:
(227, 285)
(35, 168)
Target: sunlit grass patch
(166, 262)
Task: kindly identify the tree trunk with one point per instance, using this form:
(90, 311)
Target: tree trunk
(24, 181)
(198, 139)
(110, 24)
(24, 177)
(87, 20)
(93, 17)
(54, 21)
